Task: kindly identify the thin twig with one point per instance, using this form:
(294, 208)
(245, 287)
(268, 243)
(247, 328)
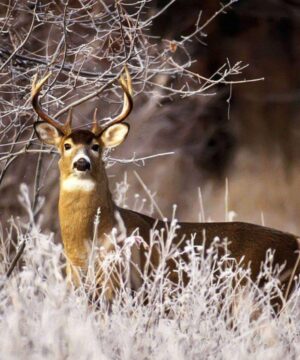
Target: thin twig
(24, 41)
(16, 258)
(151, 197)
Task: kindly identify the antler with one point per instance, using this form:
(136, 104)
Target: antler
(127, 102)
(35, 91)
(66, 128)
(127, 105)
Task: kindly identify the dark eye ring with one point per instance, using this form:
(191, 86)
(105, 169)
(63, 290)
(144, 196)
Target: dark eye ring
(95, 147)
(67, 146)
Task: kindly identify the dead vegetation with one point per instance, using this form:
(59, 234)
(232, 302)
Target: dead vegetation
(86, 46)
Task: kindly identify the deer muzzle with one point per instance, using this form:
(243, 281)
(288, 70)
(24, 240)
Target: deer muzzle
(82, 164)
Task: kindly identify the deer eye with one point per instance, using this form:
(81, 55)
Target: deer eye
(95, 147)
(67, 146)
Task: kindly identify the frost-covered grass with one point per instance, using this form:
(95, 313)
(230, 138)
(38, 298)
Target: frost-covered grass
(213, 317)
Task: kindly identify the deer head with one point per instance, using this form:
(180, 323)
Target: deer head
(81, 150)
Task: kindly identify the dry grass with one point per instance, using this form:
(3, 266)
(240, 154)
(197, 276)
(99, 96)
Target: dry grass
(41, 317)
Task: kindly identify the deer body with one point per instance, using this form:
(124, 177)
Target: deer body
(245, 240)
(84, 189)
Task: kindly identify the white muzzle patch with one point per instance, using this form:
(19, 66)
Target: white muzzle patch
(77, 181)
(81, 155)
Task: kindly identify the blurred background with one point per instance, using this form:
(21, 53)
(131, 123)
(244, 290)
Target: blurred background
(237, 144)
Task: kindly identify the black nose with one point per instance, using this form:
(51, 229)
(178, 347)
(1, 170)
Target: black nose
(82, 165)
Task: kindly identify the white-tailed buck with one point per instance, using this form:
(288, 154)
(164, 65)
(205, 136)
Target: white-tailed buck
(84, 189)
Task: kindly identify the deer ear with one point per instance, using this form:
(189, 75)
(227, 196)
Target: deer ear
(114, 135)
(47, 133)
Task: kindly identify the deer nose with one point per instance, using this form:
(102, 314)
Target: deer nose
(82, 165)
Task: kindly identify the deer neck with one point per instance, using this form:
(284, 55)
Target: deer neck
(79, 201)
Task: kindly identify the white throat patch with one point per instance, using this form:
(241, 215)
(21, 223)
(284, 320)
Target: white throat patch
(74, 183)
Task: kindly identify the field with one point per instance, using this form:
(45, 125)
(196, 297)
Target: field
(42, 317)
(214, 129)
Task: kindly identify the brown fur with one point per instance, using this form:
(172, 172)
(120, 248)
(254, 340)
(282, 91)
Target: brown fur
(81, 137)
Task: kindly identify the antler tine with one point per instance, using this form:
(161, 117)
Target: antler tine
(67, 127)
(128, 101)
(128, 78)
(96, 129)
(35, 91)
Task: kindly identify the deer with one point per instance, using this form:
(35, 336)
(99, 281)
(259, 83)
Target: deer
(84, 188)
